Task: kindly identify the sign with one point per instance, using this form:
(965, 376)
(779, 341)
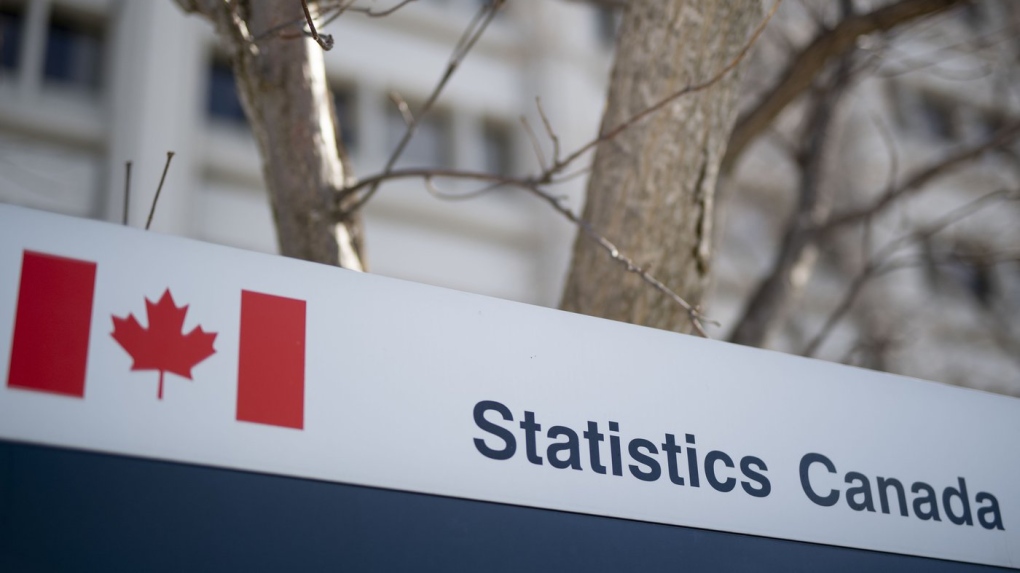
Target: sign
(147, 347)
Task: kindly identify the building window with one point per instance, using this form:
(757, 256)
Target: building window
(963, 266)
(938, 116)
(11, 25)
(74, 51)
(971, 276)
(344, 102)
(497, 145)
(975, 16)
(987, 123)
(222, 102)
(430, 146)
(925, 113)
(607, 22)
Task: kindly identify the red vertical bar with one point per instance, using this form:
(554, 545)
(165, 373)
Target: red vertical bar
(51, 327)
(271, 363)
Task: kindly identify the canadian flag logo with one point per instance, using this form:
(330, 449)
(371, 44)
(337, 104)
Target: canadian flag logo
(162, 346)
(53, 322)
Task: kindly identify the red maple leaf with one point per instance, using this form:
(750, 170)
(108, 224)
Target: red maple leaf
(162, 346)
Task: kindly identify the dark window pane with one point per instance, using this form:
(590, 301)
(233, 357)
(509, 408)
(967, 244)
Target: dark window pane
(988, 123)
(498, 149)
(343, 99)
(974, 15)
(607, 22)
(74, 52)
(11, 24)
(938, 116)
(222, 101)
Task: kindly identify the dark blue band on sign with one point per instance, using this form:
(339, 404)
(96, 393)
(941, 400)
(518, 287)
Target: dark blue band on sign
(66, 510)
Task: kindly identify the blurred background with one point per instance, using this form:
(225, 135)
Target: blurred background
(923, 281)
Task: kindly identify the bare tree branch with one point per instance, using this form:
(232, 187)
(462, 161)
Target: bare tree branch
(880, 262)
(549, 130)
(384, 12)
(765, 309)
(325, 41)
(557, 203)
(535, 145)
(155, 198)
(768, 306)
(402, 107)
(551, 173)
(328, 11)
(127, 192)
(802, 70)
(1005, 136)
(467, 41)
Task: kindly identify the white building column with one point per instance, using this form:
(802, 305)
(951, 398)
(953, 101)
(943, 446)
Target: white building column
(370, 123)
(156, 106)
(566, 71)
(30, 65)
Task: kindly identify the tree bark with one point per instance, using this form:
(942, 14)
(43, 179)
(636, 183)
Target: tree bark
(282, 84)
(652, 186)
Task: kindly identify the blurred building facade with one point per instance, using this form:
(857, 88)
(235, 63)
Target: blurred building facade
(86, 85)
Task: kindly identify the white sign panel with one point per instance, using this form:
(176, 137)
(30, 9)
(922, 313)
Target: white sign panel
(132, 343)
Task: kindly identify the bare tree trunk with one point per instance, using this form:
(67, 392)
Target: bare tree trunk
(652, 187)
(282, 83)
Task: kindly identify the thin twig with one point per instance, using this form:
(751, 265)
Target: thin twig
(421, 173)
(943, 54)
(557, 203)
(402, 107)
(387, 11)
(879, 263)
(127, 192)
(890, 145)
(366, 11)
(840, 311)
(337, 9)
(695, 316)
(281, 29)
(325, 41)
(463, 196)
(920, 178)
(549, 174)
(534, 143)
(569, 176)
(438, 193)
(467, 41)
(340, 8)
(549, 130)
(152, 210)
